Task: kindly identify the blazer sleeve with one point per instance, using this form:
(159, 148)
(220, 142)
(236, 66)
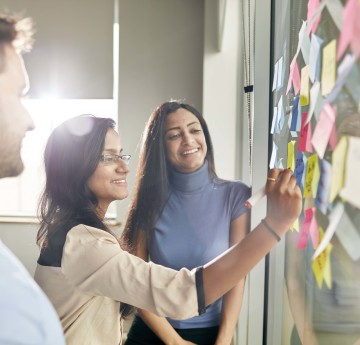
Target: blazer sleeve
(95, 264)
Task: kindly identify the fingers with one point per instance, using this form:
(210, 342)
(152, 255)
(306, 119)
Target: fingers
(272, 178)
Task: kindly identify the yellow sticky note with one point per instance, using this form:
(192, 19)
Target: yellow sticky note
(321, 266)
(310, 169)
(338, 167)
(328, 72)
(291, 156)
(305, 86)
(295, 226)
(316, 179)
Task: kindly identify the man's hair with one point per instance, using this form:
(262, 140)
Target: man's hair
(17, 32)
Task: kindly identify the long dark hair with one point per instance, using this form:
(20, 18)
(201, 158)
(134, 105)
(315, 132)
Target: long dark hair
(71, 156)
(152, 182)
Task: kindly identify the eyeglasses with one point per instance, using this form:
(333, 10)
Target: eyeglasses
(110, 159)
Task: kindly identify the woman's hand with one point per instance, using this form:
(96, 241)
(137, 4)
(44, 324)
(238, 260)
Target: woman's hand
(284, 199)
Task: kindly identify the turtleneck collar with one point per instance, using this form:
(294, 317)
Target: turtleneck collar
(190, 182)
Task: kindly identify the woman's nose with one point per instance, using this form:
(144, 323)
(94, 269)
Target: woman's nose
(187, 138)
(122, 166)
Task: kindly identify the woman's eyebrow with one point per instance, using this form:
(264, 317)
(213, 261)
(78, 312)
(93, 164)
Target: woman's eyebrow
(113, 150)
(188, 125)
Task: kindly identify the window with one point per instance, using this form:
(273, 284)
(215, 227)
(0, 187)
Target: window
(20, 195)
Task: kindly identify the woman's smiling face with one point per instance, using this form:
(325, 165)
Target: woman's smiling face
(108, 182)
(185, 141)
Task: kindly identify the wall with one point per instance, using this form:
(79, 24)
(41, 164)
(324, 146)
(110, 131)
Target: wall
(221, 91)
(161, 56)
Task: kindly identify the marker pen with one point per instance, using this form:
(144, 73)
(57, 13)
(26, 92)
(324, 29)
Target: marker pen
(255, 198)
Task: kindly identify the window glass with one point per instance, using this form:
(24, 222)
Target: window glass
(20, 195)
(315, 132)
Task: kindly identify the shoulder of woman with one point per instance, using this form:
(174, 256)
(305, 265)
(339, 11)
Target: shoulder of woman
(84, 233)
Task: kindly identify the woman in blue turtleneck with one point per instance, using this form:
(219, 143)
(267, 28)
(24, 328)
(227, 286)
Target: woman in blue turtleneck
(183, 215)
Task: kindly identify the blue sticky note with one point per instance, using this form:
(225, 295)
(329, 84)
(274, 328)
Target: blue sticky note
(294, 114)
(299, 169)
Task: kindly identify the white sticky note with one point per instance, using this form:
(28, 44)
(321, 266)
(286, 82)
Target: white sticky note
(334, 220)
(335, 8)
(314, 99)
(349, 237)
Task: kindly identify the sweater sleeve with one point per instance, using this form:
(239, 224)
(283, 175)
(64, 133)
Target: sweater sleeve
(94, 263)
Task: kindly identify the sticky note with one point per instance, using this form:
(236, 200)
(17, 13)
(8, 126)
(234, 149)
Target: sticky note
(321, 266)
(291, 157)
(310, 169)
(315, 58)
(294, 77)
(338, 163)
(348, 30)
(334, 220)
(328, 73)
(315, 98)
(315, 179)
(304, 143)
(351, 189)
(313, 18)
(323, 129)
(349, 236)
(305, 86)
(323, 190)
(308, 228)
(299, 169)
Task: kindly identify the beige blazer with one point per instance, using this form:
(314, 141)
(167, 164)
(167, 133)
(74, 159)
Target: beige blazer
(96, 274)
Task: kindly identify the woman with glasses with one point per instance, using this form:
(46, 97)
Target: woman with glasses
(82, 267)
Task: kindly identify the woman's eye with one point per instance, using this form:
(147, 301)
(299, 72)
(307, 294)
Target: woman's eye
(109, 159)
(173, 136)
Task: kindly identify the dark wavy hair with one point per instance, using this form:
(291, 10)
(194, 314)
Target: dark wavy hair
(152, 181)
(71, 156)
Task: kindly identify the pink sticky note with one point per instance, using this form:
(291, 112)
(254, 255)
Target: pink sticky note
(314, 229)
(355, 42)
(305, 229)
(333, 140)
(312, 22)
(294, 77)
(347, 32)
(304, 143)
(323, 129)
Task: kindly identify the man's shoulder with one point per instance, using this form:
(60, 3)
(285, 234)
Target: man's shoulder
(24, 309)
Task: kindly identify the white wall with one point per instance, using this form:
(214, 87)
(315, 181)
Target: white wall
(221, 86)
(161, 57)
